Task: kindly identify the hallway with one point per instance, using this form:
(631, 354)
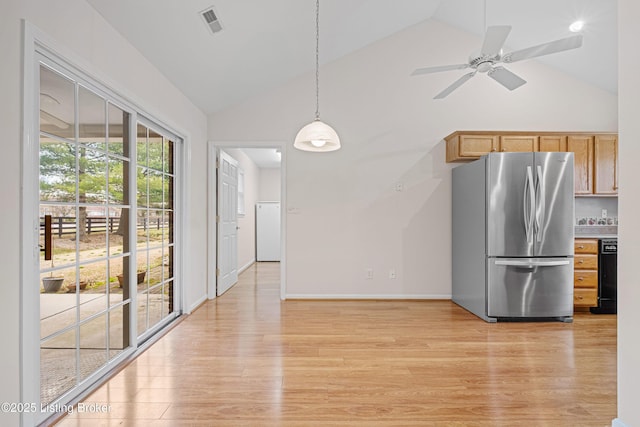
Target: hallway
(247, 358)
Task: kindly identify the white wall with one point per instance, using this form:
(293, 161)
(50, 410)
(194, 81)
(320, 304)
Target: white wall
(629, 206)
(86, 36)
(247, 223)
(343, 213)
(269, 185)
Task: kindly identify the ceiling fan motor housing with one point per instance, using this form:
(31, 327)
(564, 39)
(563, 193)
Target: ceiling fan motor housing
(483, 63)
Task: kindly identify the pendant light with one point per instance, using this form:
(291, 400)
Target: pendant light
(317, 136)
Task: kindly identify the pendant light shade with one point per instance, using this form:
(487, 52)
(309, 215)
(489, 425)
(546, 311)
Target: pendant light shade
(317, 136)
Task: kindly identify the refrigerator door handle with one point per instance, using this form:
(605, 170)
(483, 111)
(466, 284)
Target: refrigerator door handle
(532, 263)
(540, 208)
(528, 219)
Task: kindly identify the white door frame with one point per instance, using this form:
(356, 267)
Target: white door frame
(212, 237)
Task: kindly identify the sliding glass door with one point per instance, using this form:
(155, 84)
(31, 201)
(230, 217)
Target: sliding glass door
(107, 211)
(155, 228)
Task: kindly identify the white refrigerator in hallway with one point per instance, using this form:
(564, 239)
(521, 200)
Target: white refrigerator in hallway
(268, 231)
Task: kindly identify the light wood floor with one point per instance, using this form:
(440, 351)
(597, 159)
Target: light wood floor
(247, 358)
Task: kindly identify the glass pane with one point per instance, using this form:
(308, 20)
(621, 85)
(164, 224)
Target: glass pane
(143, 228)
(155, 189)
(155, 158)
(57, 104)
(118, 333)
(57, 306)
(168, 191)
(93, 345)
(155, 305)
(155, 266)
(167, 263)
(142, 269)
(167, 155)
(118, 123)
(142, 312)
(117, 175)
(118, 230)
(93, 232)
(118, 279)
(57, 366)
(94, 299)
(142, 187)
(167, 228)
(63, 235)
(155, 228)
(92, 117)
(92, 176)
(57, 171)
(141, 145)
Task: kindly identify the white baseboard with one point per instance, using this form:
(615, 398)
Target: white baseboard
(368, 296)
(617, 423)
(247, 265)
(197, 304)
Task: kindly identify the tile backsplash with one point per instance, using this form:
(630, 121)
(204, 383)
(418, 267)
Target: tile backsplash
(588, 210)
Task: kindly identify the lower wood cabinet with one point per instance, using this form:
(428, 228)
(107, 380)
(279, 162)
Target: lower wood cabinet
(585, 273)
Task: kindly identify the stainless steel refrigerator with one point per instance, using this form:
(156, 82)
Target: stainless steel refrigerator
(512, 236)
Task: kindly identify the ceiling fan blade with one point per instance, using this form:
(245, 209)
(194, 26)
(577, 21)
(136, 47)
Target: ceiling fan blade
(428, 70)
(568, 43)
(506, 78)
(494, 39)
(454, 86)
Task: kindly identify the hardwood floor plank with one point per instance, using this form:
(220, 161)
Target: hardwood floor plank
(249, 359)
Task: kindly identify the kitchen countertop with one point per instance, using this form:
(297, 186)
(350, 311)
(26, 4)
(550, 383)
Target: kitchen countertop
(596, 232)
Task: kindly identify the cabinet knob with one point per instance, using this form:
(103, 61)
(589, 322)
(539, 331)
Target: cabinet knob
(580, 279)
(493, 149)
(581, 261)
(581, 247)
(579, 296)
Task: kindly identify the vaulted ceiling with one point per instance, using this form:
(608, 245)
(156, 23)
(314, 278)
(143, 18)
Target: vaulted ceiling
(265, 43)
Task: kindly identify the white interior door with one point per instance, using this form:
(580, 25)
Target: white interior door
(227, 222)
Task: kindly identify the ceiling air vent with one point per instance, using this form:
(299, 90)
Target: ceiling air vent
(211, 20)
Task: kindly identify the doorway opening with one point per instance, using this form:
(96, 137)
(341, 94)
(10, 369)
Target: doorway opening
(247, 199)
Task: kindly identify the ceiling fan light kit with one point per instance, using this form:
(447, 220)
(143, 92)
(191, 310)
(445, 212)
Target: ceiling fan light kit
(491, 55)
(317, 136)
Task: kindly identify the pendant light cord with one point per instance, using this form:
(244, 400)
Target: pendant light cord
(485, 16)
(317, 59)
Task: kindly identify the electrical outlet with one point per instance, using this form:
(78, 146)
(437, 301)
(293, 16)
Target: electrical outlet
(604, 213)
(392, 274)
(369, 273)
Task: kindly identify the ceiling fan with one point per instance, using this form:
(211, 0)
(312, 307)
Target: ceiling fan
(491, 54)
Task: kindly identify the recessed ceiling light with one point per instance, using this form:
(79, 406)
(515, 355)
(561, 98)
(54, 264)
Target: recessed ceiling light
(576, 26)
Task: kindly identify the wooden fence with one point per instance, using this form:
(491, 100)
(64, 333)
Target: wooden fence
(61, 225)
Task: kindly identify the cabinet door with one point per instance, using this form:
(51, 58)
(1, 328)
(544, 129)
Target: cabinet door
(518, 143)
(477, 145)
(553, 143)
(605, 153)
(582, 147)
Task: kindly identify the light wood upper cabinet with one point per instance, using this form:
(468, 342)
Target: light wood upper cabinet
(469, 147)
(606, 164)
(595, 154)
(582, 148)
(553, 143)
(518, 143)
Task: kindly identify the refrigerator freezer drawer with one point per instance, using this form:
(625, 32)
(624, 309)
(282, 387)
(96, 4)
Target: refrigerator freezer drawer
(530, 287)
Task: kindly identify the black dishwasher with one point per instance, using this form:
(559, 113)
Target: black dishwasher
(607, 277)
